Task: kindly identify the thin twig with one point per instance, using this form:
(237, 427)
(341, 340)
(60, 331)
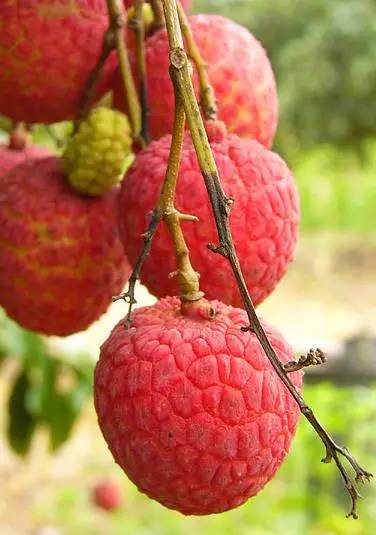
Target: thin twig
(90, 89)
(129, 295)
(314, 357)
(137, 24)
(207, 96)
(159, 21)
(118, 22)
(221, 206)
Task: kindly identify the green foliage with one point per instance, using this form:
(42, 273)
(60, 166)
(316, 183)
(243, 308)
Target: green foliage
(48, 391)
(323, 54)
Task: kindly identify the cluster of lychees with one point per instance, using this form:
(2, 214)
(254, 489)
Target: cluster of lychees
(187, 401)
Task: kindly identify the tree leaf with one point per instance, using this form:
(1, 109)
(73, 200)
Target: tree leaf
(22, 423)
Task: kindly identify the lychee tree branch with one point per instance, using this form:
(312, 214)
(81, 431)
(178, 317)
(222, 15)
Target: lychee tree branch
(207, 96)
(159, 21)
(114, 39)
(138, 26)
(188, 279)
(221, 206)
(118, 21)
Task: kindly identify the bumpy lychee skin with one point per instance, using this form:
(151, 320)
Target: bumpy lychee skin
(96, 156)
(47, 52)
(9, 157)
(107, 495)
(264, 218)
(238, 69)
(61, 259)
(190, 407)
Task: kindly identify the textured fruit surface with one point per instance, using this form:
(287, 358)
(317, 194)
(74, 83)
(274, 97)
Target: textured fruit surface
(12, 157)
(107, 495)
(190, 407)
(96, 156)
(61, 259)
(264, 218)
(47, 52)
(238, 69)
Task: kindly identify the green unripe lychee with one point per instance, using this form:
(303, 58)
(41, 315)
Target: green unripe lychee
(99, 152)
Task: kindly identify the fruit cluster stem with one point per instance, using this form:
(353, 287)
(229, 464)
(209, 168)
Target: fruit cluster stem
(221, 206)
(138, 26)
(118, 22)
(207, 95)
(187, 277)
(159, 21)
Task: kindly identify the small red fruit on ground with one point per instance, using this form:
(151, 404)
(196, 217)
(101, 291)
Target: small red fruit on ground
(190, 406)
(61, 259)
(47, 52)
(107, 495)
(264, 220)
(238, 69)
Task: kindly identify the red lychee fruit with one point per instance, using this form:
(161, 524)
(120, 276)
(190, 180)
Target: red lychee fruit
(190, 406)
(264, 218)
(238, 69)
(18, 150)
(47, 52)
(61, 259)
(107, 495)
(9, 157)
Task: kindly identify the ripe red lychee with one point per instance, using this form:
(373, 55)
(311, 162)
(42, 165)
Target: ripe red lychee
(61, 259)
(18, 150)
(238, 69)
(9, 157)
(107, 495)
(191, 408)
(47, 52)
(264, 219)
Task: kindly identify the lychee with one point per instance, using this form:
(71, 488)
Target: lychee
(238, 69)
(47, 52)
(264, 218)
(190, 406)
(61, 259)
(97, 156)
(107, 495)
(10, 157)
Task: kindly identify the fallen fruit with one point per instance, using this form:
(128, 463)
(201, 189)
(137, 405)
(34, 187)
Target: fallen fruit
(107, 495)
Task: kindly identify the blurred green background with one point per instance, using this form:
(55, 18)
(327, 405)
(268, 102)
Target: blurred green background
(324, 56)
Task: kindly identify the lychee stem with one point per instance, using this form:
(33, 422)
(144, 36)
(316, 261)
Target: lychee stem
(138, 26)
(159, 21)
(221, 206)
(207, 95)
(118, 20)
(187, 277)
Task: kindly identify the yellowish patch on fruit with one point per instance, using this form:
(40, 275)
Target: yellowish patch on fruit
(97, 156)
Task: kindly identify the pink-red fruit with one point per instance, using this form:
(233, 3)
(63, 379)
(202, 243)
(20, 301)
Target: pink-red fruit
(9, 157)
(190, 406)
(238, 69)
(107, 495)
(264, 218)
(61, 259)
(47, 52)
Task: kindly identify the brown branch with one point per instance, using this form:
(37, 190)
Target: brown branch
(221, 206)
(148, 236)
(207, 96)
(137, 24)
(159, 20)
(314, 357)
